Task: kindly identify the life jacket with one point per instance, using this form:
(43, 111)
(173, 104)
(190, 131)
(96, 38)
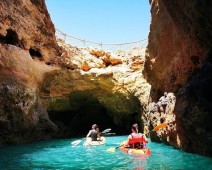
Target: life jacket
(93, 135)
(137, 141)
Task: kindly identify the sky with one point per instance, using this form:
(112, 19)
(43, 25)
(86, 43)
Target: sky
(103, 21)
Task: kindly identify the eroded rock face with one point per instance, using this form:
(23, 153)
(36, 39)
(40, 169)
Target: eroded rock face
(22, 117)
(27, 43)
(46, 94)
(47, 91)
(114, 90)
(179, 61)
(161, 112)
(27, 24)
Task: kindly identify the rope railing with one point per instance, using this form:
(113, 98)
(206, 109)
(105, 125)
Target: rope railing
(84, 41)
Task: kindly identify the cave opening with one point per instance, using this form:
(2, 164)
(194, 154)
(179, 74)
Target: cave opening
(11, 38)
(86, 110)
(35, 54)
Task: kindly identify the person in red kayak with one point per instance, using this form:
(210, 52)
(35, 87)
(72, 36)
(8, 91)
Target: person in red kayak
(93, 133)
(136, 140)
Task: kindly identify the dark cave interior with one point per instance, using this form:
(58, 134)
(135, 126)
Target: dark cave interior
(85, 110)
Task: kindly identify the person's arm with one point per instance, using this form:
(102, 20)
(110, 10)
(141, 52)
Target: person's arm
(128, 140)
(129, 137)
(89, 133)
(145, 138)
(99, 135)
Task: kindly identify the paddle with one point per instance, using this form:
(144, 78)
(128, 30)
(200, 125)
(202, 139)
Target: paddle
(76, 142)
(108, 134)
(162, 125)
(106, 130)
(113, 149)
(154, 130)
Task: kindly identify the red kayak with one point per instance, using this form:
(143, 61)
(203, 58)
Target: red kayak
(144, 151)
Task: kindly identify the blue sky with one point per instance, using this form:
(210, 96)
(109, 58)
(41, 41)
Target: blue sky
(107, 21)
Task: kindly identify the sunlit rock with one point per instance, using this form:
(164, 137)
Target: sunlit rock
(116, 89)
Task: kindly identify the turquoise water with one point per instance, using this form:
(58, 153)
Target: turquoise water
(60, 154)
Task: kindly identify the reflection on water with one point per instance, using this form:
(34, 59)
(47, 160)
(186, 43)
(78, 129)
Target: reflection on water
(60, 154)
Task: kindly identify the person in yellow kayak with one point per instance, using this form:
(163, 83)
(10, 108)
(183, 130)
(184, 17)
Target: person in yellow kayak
(93, 133)
(136, 140)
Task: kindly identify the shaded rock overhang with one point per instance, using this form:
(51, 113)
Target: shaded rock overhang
(74, 102)
(179, 61)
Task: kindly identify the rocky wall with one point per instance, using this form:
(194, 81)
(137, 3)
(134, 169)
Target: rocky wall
(27, 24)
(179, 61)
(49, 91)
(27, 45)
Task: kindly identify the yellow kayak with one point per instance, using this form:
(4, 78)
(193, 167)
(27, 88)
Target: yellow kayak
(144, 151)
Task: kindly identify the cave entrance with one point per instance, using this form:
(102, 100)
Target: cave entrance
(84, 110)
(78, 122)
(11, 38)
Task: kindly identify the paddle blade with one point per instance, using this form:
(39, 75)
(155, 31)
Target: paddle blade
(76, 142)
(160, 126)
(106, 130)
(111, 150)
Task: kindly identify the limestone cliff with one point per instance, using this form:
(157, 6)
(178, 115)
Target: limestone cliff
(179, 61)
(49, 91)
(94, 85)
(27, 25)
(27, 44)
